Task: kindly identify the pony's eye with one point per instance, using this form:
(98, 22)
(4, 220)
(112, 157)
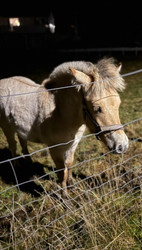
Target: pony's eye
(97, 109)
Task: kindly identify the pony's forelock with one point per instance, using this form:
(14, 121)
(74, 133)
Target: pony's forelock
(107, 76)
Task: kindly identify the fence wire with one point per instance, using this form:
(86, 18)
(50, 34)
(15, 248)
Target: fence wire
(106, 193)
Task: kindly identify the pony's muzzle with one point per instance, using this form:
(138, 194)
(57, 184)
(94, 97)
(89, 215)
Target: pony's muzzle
(118, 142)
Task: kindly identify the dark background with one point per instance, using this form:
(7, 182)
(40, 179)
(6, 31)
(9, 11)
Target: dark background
(84, 31)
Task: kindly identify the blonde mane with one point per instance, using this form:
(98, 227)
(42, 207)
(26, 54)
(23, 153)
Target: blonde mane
(105, 75)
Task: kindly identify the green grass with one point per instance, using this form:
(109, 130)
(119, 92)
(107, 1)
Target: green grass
(105, 210)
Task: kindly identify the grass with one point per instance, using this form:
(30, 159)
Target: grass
(104, 210)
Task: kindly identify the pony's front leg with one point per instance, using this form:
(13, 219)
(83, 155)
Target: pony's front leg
(69, 159)
(70, 178)
(62, 178)
(62, 173)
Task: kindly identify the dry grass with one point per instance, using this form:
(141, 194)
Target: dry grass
(104, 208)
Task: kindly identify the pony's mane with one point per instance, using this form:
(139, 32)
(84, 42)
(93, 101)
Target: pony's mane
(79, 65)
(105, 75)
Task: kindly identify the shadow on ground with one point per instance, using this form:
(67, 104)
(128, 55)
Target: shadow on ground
(24, 171)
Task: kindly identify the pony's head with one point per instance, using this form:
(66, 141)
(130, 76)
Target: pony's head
(99, 85)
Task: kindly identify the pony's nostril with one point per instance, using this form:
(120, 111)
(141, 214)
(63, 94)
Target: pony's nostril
(119, 149)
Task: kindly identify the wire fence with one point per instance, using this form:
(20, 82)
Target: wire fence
(105, 196)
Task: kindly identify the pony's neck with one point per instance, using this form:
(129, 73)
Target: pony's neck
(69, 105)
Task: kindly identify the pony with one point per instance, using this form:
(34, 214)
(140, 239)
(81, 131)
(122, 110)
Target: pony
(76, 95)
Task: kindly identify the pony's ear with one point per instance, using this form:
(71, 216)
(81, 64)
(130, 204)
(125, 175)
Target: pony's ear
(80, 76)
(119, 67)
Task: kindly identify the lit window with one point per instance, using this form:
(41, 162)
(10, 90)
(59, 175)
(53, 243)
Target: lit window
(14, 22)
